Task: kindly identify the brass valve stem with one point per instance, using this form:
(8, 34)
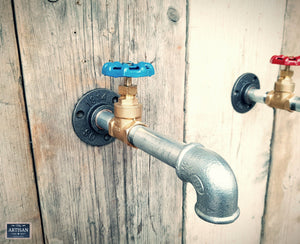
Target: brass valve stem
(127, 81)
(128, 112)
(283, 90)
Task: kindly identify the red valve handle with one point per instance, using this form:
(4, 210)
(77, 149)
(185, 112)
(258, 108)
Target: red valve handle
(285, 60)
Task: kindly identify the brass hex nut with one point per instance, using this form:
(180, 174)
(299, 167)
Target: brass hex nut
(132, 112)
(127, 90)
(284, 73)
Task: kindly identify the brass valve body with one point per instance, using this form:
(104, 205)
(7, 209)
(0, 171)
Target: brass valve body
(283, 91)
(128, 113)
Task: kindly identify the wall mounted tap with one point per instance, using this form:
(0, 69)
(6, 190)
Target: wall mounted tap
(246, 92)
(100, 115)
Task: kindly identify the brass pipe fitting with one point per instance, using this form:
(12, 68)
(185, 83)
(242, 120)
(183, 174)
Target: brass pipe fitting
(128, 112)
(283, 91)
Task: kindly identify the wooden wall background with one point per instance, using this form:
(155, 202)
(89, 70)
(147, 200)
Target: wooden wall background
(52, 52)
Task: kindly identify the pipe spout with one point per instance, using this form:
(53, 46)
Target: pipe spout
(211, 176)
(214, 182)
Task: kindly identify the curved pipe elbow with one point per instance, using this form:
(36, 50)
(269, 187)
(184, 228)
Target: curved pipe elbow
(214, 182)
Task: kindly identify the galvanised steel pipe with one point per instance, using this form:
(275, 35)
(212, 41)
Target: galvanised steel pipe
(256, 95)
(211, 176)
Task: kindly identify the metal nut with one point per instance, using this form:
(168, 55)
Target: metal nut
(127, 90)
(284, 73)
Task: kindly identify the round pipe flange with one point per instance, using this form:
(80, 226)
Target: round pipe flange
(83, 117)
(239, 99)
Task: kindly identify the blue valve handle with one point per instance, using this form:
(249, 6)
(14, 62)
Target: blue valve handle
(117, 69)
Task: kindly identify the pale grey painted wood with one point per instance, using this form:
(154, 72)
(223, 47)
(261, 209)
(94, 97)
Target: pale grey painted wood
(18, 196)
(112, 194)
(282, 220)
(227, 39)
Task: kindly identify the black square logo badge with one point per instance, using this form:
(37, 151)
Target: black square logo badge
(18, 230)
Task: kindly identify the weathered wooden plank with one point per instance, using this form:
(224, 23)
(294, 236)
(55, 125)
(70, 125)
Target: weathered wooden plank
(228, 38)
(18, 197)
(113, 194)
(282, 220)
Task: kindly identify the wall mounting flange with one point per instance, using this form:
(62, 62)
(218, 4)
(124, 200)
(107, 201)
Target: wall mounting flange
(238, 94)
(87, 106)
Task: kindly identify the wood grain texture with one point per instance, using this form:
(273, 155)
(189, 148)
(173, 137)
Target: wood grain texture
(112, 194)
(227, 39)
(18, 197)
(282, 220)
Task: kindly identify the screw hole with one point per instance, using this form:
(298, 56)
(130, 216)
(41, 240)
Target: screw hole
(79, 114)
(107, 137)
(115, 99)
